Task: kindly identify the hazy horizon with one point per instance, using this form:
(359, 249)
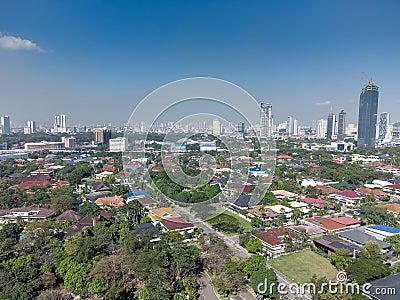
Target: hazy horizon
(94, 61)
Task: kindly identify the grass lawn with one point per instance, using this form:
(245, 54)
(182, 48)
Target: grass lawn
(229, 217)
(301, 265)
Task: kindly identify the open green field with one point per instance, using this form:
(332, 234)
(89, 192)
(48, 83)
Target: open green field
(228, 218)
(301, 266)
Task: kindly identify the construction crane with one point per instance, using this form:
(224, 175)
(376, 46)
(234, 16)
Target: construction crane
(370, 81)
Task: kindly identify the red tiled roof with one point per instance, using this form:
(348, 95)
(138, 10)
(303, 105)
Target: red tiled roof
(110, 201)
(348, 194)
(346, 220)
(272, 236)
(393, 186)
(108, 169)
(176, 224)
(327, 189)
(313, 201)
(29, 184)
(333, 223)
(284, 157)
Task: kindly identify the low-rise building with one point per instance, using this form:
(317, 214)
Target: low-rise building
(25, 213)
(273, 240)
(346, 197)
(333, 224)
(177, 224)
(118, 144)
(162, 213)
(115, 201)
(381, 232)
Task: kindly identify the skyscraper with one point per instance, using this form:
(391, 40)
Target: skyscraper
(102, 136)
(342, 126)
(240, 128)
(266, 120)
(60, 124)
(216, 127)
(6, 124)
(367, 115)
(321, 129)
(292, 126)
(330, 127)
(30, 127)
(384, 134)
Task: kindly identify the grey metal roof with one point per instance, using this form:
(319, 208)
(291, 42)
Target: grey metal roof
(360, 237)
(391, 281)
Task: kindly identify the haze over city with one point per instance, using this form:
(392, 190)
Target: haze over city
(94, 61)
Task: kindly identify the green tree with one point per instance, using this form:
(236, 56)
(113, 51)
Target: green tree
(264, 281)
(254, 245)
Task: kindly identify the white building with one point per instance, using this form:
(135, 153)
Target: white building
(5, 124)
(216, 129)
(266, 120)
(44, 145)
(30, 127)
(60, 124)
(208, 146)
(118, 144)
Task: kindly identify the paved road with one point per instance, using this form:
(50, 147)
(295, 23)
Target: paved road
(206, 290)
(233, 243)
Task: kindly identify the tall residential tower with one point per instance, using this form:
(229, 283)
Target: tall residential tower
(266, 120)
(341, 134)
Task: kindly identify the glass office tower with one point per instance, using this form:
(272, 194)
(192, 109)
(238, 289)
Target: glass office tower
(367, 115)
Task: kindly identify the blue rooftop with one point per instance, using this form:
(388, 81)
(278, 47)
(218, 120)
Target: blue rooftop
(137, 193)
(386, 228)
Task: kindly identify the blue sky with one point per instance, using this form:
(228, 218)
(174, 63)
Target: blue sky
(94, 60)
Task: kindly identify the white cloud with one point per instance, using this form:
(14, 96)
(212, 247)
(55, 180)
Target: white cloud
(323, 103)
(16, 43)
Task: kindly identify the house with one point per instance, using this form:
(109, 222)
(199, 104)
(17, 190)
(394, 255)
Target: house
(68, 215)
(103, 175)
(393, 188)
(26, 213)
(280, 209)
(47, 172)
(394, 208)
(146, 227)
(303, 207)
(108, 168)
(115, 201)
(330, 244)
(72, 230)
(311, 231)
(280, 194)
(245, 201)
(359, 237)
(364, 191)
(100, 187)
(177, 224)
(333, 224)
(327, 190)
(381, 232)
(317, 203)
(146, 201)
(263, 213)
(220, 169)
(273, 240)
(162, 213)
(346, 197)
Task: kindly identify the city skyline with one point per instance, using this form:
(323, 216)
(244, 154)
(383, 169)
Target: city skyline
(289, 54)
